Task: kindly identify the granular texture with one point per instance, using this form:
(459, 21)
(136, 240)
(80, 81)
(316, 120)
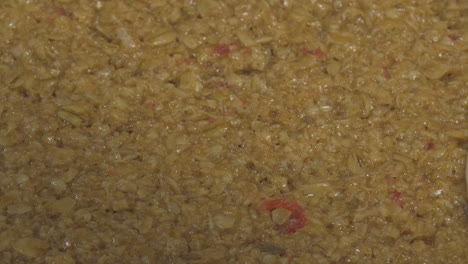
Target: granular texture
(233, 131)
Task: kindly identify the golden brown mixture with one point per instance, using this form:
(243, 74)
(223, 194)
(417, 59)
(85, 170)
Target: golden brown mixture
(233, 131)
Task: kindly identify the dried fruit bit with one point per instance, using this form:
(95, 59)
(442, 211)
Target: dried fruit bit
(386, 68)
(393, 180)
(187, 61)
(60, 11)
(397, 198)
(386, 73)
(453, 37)
(223, 49)
(296, 220)
(317, 52)
(394, 61)
(429, 144)
(247, 51)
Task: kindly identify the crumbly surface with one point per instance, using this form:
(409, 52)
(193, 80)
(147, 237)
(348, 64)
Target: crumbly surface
(153, 131)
